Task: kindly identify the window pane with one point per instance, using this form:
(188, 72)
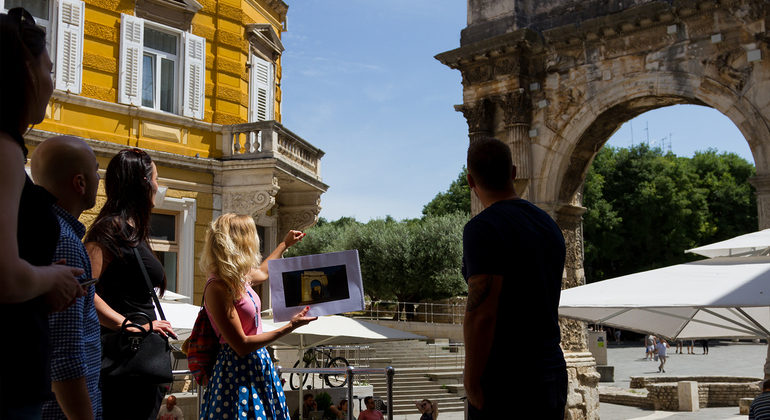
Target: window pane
(168, 260)
(261, 234)
(148, 81)
(37, 8)
(166, 85)
(163, 227)
(160, 41)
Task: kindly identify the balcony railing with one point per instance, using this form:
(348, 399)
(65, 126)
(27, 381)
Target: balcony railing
(270, 139)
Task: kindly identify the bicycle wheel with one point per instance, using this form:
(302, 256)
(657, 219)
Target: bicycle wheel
(296, 380)
(336, 380)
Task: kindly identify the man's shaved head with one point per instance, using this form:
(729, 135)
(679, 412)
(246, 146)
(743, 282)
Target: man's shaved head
(58, 159)
(55, 164)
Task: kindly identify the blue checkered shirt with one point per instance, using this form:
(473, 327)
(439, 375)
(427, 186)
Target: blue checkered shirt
(75, 337)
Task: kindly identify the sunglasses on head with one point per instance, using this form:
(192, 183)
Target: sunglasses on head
(23, 16)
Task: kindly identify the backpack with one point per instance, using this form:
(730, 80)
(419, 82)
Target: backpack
(202, 347)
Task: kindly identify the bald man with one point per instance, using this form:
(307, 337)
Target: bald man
(67, 168)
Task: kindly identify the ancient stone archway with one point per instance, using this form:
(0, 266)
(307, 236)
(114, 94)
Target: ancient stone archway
(555, 79)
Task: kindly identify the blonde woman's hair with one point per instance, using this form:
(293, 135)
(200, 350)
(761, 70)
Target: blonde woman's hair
(231, 250)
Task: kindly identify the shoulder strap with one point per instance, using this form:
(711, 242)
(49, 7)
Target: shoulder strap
(149, 283)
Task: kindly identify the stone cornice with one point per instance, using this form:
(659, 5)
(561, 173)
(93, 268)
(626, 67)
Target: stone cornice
(482, 50)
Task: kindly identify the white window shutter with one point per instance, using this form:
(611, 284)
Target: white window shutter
(194, 90)
(131, 51)
(69, 45)
(261, 91)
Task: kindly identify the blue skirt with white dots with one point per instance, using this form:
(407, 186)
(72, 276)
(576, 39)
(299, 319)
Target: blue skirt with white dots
(244, 388)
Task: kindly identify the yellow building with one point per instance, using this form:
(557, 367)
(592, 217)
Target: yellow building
(198, 86)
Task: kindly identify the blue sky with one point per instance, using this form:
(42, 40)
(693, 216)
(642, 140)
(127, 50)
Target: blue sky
(360, 82)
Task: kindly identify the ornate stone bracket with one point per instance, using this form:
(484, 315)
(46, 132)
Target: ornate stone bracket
(296, 218)
(253, 200)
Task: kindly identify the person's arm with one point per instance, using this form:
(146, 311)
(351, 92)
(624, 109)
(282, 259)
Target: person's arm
(100, 258)
(336, 411)
(435, 410)
(479, 330)
(259, 274)
(225, 317)
(418, 403)
(20, 281)
(72, 396)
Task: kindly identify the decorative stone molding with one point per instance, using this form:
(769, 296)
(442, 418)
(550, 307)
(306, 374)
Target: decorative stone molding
(252, 200)
(174, 13)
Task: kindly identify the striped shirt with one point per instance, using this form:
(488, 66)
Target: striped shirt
(75, 337)
(760, 407)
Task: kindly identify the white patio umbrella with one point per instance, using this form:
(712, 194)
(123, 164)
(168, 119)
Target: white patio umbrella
(723, 297)
(335, 329)
(750, 244)
(716, 298)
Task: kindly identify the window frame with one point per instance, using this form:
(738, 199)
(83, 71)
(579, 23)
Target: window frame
(158, 55)
(186, 211)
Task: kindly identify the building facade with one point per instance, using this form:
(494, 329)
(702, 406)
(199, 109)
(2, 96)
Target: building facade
(198, 86)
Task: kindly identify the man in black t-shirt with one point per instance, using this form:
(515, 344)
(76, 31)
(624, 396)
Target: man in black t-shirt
(513, 260)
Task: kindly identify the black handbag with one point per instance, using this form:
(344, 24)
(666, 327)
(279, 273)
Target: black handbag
(142, 356)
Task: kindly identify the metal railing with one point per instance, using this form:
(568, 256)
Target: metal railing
(351, 372)
(270, 139)
(458, 350)
(438, 313)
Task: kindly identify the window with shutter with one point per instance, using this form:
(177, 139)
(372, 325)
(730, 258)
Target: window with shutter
(161, 68)
(69, 46)
(261, 92)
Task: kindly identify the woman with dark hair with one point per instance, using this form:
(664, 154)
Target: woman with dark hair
(31, 287)
(130, 182)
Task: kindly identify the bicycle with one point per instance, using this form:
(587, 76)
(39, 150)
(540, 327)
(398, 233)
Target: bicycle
(313, 358)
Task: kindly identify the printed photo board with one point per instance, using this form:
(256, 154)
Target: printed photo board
(328, 283)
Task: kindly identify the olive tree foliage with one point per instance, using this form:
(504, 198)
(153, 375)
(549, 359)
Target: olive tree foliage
(645, 208)
(407, 260)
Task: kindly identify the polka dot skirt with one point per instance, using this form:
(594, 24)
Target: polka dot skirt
(244, 388)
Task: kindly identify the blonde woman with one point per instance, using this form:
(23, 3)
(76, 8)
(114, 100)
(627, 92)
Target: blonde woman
(244, 383)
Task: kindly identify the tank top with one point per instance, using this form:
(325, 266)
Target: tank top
(25, 373)
(248, 309)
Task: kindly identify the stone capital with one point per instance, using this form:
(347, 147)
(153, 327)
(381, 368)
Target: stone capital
(479, 116)
(517, 108)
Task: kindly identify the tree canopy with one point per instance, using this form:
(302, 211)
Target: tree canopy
(644, 207)
(407, 260)
(456, 199)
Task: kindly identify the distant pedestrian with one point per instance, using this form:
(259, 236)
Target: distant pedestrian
(690, 345)
(617, 336)
(679, 346)
(428, 409)
(649, 342)
(661, 349)
(760, 407)
(705, 344)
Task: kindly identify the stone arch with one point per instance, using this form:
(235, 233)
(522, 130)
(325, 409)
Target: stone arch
(607, 110)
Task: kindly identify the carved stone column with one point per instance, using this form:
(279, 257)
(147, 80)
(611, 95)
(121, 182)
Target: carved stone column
(583, 398)
(517, 114)
(762, 184)
(480, 124)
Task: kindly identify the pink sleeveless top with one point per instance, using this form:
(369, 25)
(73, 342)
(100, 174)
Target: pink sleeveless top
(250, 317)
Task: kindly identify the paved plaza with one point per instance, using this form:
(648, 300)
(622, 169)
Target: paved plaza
(724, 358)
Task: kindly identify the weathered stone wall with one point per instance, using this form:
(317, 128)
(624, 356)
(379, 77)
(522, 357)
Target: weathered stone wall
(583, 396)
(639, 382)
(664, 396)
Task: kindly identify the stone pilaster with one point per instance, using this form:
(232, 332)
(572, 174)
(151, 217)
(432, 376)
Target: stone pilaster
(762, 184)
(517, 114)
(479, 116)
(570, 220)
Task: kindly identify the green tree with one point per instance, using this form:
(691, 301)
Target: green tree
(456, 200)
(644, 207)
